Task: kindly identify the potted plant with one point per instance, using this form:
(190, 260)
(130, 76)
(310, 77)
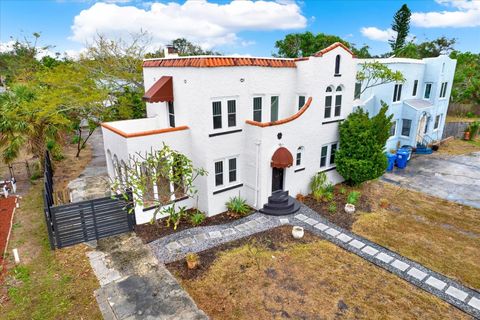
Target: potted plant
(297, 232)
(192, 260)
(466, 134)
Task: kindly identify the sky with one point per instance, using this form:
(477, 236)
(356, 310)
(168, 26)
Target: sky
(235, 27)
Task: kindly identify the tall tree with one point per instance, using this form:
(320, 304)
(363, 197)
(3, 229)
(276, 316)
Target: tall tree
(296, 45)
(372, 74)
(466, 83)
(401, 25)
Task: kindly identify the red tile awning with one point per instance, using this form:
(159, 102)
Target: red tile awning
(161, 91)
(282, 158)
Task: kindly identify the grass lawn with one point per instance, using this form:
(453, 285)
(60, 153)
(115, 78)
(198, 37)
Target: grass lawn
(272, 276)
(47, 284)
(439, 234)
(458, 147)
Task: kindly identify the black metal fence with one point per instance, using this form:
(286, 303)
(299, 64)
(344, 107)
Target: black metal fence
(83, 221)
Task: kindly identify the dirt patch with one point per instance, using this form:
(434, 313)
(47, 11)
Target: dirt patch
(340, 194)
(458, 146)
(311, 279)
(274, 239)
(442, 235)
(150, 232)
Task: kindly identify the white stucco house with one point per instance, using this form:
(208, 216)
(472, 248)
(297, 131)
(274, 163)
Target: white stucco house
(260, 125)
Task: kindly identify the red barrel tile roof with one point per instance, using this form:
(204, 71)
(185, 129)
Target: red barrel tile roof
(209, 62)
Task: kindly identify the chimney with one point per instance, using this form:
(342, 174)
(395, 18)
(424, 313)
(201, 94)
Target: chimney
(169, 51)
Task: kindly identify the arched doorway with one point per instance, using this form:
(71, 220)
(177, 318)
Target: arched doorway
(281, 159)
(422, 128)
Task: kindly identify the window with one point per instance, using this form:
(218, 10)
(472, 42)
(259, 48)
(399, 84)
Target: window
(338, 101)
(406, 124)
(358, 90)
(397, 92)
(323, 157)
(337, 64)
(273, 108)
(171, 114)
(393, 129)
(257, 109)
(437, 121)
(301, 102)
(333, 150)
(415, 86)
(298, 160)
(443, 90)
(328, 103)
(217, 114)
(232, 170)
(443, 67)
(218, 173)
(428, 89)
(232, 113)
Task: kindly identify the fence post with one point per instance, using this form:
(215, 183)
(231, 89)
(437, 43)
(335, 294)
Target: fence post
(130, 211)
(94, 219)
(48, 215)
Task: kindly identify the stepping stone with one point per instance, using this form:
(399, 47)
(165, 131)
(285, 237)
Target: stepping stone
(320, 226)
(201, 237)
(311, 221)
(173, 246)
(436, 283)
(474, 302)
(332, 232)
(456, 293)
(262, 219)
(284, 221)
(215, 234)
(400, 265)
(418, 274)
(357, 244)
(241, 227)
(343, 237)
(186, 241)
(251, 224)
(228, 232)
(370, 250)
(384, 257)
(301, 217)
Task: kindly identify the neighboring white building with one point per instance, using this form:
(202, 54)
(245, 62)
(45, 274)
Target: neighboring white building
(257, 125)
(419, 105)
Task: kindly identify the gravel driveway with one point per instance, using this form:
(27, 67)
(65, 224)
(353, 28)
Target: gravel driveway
(454, 178)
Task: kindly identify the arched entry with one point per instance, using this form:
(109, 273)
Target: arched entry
(422, 128)
(281, 159)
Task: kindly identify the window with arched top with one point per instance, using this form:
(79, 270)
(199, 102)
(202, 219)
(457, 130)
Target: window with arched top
(338, 101)
(328, 102)
(298, 159)
(115, 165)
(337, 64)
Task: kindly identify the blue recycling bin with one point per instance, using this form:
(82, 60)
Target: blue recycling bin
(391, 161)
(402, 158)
(409, 149)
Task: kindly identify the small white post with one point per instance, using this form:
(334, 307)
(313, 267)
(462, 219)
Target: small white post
(16, 256)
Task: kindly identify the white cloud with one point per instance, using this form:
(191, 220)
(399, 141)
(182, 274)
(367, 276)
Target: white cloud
(467, 14)
(208, 24)
(6, 46)
(374, 33)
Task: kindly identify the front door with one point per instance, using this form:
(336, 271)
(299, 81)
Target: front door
(277, 179)
(422, 126)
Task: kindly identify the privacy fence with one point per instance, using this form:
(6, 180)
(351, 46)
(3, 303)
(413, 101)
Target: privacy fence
(454, 129)
(83, 221)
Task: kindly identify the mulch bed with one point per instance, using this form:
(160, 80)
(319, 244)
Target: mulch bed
(151, 232)
(274, 239)
(7, 206)
(339, 217)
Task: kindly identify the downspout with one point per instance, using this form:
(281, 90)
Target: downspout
(257, 156)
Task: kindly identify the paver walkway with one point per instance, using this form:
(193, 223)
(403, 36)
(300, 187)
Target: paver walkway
(176, 246)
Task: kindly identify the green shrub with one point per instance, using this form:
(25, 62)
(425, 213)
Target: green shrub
(343, 190)
(197, 218)
(238, 205)
(353, 197)
(332, 207)
(361, 156)
(174, 216)
(321, 189)
(473, 128)
(328, 196)
(470, 114)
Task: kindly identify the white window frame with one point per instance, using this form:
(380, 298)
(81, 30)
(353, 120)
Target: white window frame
(397, 94)
(425, 90)
(443, 90)
(270, 107)
(439, 116)
(330, 94)
(226, 172)
(301, 151)
(395, 124)
(262, 109)
(328, 164)
(334, 102)
(224, 113)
